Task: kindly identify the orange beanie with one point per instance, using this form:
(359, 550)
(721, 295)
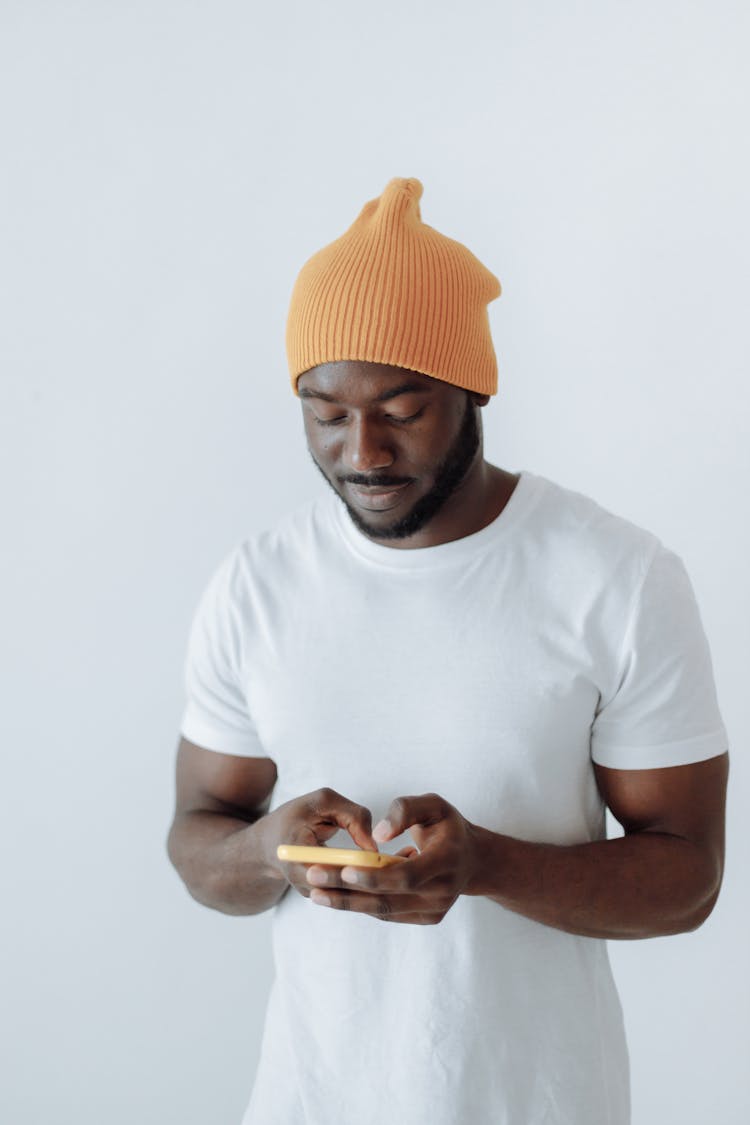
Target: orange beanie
(393, 290)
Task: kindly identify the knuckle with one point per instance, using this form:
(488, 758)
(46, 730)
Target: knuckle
(410, 880)
(384, 911)
(398, 807)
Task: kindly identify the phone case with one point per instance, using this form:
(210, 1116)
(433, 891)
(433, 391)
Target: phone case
(341, 857)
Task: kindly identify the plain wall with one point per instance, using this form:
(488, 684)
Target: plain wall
(167, 167)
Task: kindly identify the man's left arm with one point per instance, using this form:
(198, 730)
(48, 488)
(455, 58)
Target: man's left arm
(662, 877)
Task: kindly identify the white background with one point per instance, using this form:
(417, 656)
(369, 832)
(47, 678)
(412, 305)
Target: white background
(167, 167)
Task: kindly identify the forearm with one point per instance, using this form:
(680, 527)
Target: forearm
(223, 862)
(641, 885)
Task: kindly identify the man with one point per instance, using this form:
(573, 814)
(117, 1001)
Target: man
(484, 659)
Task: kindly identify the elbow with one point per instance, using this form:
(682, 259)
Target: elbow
(180, 860)
(707, 900)
(173, 849)
(201, 890)
(694, 896)
(703, 911)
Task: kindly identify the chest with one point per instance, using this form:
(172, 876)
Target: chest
(480, 699)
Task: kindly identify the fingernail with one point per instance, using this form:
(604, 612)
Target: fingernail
(319, 898)
(381, 830)
(349, 876)
(318, 878)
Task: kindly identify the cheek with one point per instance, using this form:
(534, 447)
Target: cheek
(312, 433)
(320, 443)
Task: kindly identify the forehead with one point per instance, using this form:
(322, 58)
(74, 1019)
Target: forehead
(359, 383)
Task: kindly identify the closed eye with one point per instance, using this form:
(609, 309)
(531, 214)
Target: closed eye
(391, 417)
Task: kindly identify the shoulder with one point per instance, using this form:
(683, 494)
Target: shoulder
(581, 535)
(297, 533)
(277, 554)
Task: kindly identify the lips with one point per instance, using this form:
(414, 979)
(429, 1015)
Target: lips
(378, 498)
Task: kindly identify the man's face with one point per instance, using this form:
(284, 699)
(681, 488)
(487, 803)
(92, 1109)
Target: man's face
(373, 427)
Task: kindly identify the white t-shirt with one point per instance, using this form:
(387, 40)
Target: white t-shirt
(490, 670)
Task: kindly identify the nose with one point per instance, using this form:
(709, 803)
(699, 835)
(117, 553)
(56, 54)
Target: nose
(366, 447)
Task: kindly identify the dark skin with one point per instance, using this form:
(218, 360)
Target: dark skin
(356, 439)
(663, 876)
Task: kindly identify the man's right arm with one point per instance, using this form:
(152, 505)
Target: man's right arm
(223, 840)
(218, 841)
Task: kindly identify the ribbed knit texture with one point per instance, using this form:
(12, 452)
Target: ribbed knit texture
(393, 290)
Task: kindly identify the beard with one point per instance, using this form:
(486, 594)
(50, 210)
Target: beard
(448, 476)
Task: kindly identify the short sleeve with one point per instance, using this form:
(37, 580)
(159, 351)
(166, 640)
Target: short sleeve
(216, 715)
(664, 709)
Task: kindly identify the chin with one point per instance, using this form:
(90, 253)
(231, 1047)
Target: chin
(401, 528)
(375, 529)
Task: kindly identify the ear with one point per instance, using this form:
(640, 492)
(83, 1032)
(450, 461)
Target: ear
(479, 400)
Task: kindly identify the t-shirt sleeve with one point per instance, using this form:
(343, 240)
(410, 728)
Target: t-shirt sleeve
(663, 710)
(216, 715)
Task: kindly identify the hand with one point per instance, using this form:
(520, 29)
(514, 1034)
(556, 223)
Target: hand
(311, 820)
(423, 889)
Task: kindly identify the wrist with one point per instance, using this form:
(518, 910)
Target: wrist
(488, 858)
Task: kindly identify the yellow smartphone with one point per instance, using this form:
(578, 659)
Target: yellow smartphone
(340, 857)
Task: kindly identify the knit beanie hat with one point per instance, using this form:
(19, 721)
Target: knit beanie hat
(393, 290)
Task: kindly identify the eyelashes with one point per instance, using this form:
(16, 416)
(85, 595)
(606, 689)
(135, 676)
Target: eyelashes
(391, 417)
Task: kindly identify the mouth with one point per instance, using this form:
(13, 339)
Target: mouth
(377, 499)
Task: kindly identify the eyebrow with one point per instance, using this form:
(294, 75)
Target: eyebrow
(401, 389)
